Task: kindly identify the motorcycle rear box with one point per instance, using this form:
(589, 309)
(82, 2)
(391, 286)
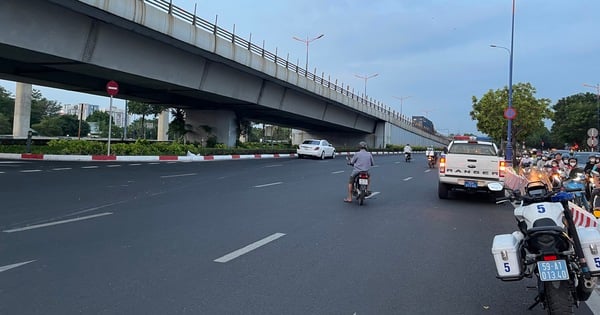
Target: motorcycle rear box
(505, 249)
(590, 243)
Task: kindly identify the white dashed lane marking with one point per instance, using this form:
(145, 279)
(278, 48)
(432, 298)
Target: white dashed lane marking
(62, 169)
(8, 267)
(407, 179)
(266, 185)
(37, 226)
(249, 248)
(30, 171)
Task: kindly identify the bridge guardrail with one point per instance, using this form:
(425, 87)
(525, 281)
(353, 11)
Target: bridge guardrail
(391, 115)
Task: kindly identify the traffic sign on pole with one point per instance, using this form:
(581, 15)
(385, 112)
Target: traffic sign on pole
(510, 113)
(112, 88)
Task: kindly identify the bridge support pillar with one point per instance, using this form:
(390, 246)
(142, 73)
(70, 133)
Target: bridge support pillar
(221, 124)
(163, 126)
(22, 116)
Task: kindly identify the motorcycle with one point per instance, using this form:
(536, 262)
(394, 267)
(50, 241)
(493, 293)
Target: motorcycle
(548, 246)
(407, 156)
(360, 185)
(576, 184)
(431, 160)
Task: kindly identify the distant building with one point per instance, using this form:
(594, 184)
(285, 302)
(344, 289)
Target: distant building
(118, 116)
(80, 110)
(423, 123)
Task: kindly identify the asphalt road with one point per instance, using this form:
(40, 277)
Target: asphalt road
(265, 236)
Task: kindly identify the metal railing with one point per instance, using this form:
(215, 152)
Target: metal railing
(168, 7)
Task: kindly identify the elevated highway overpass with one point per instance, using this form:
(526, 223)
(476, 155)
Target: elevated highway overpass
(159, 53)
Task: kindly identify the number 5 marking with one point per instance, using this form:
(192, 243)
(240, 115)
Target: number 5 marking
(597, 261)
(507, 266)
(541, 208)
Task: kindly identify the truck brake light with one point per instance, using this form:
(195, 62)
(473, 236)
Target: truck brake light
(442, 165)
(502, 168)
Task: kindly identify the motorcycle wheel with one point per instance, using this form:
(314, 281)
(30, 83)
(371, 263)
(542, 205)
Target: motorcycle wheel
(558, 297)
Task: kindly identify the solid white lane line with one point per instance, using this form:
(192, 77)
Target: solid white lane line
(62, 169)
(7, 267)
(92, 166)
(249, 248)
(337, 172)
(113, 165)
(374, 193)
(179, 175)
(265, 185)
(407, 179)
(30, 171)
(31, 227)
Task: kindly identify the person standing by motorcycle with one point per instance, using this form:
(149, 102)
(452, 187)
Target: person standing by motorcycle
(589, 164)
(362, 162)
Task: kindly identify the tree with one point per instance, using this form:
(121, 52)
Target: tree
(139, 108)
(573, 116)
(102, 119)
(5, 125)
(42, 107)
(64, 125)
(178, 128)
(489, 113)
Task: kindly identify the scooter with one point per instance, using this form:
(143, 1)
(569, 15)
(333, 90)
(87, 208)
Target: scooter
(563, 258)
(431, 160)
(360, 185)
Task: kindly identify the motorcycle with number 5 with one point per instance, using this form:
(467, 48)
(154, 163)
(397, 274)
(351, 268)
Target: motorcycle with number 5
(564, 259)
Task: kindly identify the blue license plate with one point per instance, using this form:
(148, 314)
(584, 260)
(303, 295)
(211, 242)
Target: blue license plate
(470, 184)
(554, 270)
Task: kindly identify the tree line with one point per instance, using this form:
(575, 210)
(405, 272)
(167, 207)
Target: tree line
(571, 117)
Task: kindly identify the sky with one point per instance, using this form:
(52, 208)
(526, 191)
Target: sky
(435, 55)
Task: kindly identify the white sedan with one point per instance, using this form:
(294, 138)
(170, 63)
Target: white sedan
(316, 148)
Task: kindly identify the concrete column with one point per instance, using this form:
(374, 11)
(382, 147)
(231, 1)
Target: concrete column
(207, 123)
(163, 126)
(22, 117)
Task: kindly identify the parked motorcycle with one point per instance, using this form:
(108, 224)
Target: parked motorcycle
(361, 183)
(564, 259)
(407, 156)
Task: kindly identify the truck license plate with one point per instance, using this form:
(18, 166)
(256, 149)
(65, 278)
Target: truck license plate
(470, 184)
(554, 270)
(363, 181)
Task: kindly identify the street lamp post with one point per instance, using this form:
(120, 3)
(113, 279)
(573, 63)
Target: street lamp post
(307, 41)
(366, 77)
(509, 148)
(597, 87)
(401, 98)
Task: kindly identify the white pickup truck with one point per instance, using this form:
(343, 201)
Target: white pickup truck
(470, 165)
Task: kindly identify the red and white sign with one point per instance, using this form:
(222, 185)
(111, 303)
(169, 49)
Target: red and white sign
(112, 88)
(510, 113)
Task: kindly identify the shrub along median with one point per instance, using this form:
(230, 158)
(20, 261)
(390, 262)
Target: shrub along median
(145, 147)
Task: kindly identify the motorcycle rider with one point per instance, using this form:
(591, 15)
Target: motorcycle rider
(526, 161)
(590, 164)
(408, 150)
(430, 152)
(362, 162)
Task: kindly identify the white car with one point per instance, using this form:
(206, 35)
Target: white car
(316, 148)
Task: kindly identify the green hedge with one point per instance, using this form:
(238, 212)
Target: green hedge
(145, 147)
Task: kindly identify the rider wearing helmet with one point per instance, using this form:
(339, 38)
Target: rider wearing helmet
(590, 164)
(362, 162)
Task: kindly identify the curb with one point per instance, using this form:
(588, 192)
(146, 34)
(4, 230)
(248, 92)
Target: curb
(154, 158)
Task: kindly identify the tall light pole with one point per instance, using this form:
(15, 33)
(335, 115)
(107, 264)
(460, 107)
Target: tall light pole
(597, 87)
(401, 98)
(307, 41)
(509, 148)
(366, 77)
